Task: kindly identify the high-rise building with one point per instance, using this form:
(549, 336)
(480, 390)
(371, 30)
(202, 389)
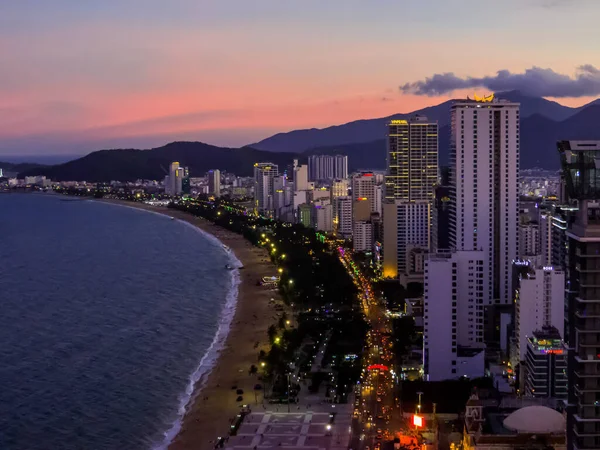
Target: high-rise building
(362, 235)
(300, 177)
(529, 240)
(539, 303)
(343, 215)
(363, 195)
(484, 188)
(264, 174)
(453, 333)
(322, 215)
(412, 159)
(581, 170)
(405, 224)
(214, 182)
(545, 365)
(410, 180)
(327, 167)
(173, 181)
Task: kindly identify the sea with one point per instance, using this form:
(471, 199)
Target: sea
(108, 317)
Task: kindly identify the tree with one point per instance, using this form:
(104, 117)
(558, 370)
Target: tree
(272, 332)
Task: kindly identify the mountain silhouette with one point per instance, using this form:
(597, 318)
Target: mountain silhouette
(370, 130)
(543, 122)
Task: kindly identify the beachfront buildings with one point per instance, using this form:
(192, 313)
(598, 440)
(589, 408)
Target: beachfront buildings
(214, 182)
(174, 180)
(264, 174)
(484, 188)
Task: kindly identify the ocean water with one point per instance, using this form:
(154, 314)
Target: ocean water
(107, 316)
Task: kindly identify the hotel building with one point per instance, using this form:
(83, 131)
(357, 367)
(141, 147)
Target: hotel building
(484, 188)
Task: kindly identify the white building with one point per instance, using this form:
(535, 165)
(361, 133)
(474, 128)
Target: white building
(174, 181)
(453, 331)
(322, 215)
(484, 188)
(264, 174)
(214, 182)
(300, 177)
(362, 236)
(343, 214)
(540, 302)
(405, 224)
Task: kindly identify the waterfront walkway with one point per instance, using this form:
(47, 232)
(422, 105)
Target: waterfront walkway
(292, 431)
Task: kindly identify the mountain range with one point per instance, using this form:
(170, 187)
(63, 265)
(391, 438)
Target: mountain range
(543, 122)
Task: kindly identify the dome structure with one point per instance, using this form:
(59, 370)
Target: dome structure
(535, 420)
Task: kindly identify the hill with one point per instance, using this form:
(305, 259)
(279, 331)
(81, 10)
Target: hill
(13, 168)
(539, 134)
(369, 130)
(131, 164)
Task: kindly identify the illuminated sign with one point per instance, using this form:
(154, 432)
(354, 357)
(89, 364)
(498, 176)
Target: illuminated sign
(399, 122)
(553, 351)
(548, 268)
(417, 421)
(483, 99)
(362, 199)
(377, 367)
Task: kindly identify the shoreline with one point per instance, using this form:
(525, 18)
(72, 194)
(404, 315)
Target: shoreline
(213, 403)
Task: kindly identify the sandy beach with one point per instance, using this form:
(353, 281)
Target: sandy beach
(214, 405)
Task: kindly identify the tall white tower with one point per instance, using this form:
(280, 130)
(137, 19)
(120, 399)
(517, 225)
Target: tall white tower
(264, 173)
(484, 188)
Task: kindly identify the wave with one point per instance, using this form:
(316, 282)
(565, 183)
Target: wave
(199, 376)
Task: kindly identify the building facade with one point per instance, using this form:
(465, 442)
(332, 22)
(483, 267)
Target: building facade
(264, 175)
(484, 188)
(412, 159)
(405, 224)
(539, 303)
(327, 167)
(580, 163)
(214, 182)
(453, 332)
(545, 365)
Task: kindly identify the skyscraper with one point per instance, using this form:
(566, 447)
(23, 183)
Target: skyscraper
(581, 170)
(484, 190)
(412, 174)
(173, 181)
(412, 159)
(264, 174)
(214, 182)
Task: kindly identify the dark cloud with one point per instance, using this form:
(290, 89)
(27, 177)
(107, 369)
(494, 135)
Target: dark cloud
(535, 81)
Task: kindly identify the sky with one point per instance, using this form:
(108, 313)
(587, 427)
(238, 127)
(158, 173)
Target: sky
(77, 76)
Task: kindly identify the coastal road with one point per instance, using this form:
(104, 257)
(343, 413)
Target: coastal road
(376, 406)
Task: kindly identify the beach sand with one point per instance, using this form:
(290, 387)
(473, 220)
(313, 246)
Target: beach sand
(214, 406)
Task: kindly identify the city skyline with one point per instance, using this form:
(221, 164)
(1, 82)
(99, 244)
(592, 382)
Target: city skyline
(85, 77)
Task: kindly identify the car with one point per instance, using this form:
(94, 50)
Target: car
(379, 436)
(378, 399)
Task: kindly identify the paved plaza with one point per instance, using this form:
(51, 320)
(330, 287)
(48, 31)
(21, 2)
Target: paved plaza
(299, 430)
